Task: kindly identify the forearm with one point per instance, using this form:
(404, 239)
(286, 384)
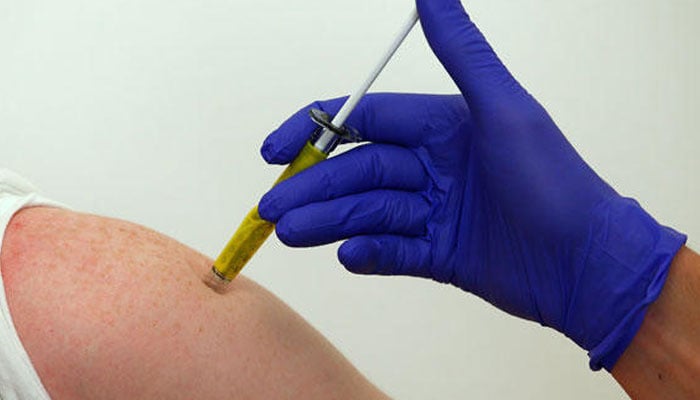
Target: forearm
(663, 361)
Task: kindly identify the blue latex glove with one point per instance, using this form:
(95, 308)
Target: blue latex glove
(480, 190)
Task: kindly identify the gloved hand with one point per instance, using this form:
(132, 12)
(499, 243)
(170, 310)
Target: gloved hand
(480, 190)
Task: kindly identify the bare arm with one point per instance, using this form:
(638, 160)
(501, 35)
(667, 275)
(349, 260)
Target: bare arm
(107, 309)
(663, 361)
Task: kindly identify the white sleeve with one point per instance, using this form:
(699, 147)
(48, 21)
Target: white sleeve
(18, 379)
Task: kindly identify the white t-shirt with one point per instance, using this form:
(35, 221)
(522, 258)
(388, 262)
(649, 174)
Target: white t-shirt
(18, 379)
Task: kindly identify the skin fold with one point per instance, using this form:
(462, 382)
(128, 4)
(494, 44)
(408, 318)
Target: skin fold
(109, 309)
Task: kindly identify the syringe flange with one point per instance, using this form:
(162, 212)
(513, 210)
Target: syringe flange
(341, 134)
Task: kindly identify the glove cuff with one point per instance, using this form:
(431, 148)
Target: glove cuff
(624, 270)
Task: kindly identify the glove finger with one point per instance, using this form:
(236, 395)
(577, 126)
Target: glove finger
(365, 168)
(406, 119)
(402, 119)
(376, 212)
(386, 255)
(465, 53)
(284, 144)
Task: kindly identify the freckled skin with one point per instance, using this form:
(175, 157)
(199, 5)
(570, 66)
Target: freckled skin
(100, 319)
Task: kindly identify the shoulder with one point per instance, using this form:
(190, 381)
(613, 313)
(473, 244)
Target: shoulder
(110, 309)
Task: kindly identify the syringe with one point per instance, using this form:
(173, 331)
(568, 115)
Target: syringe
(253, 231)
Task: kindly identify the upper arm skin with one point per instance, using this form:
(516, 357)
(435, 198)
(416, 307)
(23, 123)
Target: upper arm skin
(107, 309)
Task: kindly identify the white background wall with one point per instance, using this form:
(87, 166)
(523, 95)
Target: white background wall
(154, 110)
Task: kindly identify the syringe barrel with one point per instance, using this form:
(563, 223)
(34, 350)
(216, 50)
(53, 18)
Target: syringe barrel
(253, 231)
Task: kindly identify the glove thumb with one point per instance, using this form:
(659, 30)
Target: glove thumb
(465, 53)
